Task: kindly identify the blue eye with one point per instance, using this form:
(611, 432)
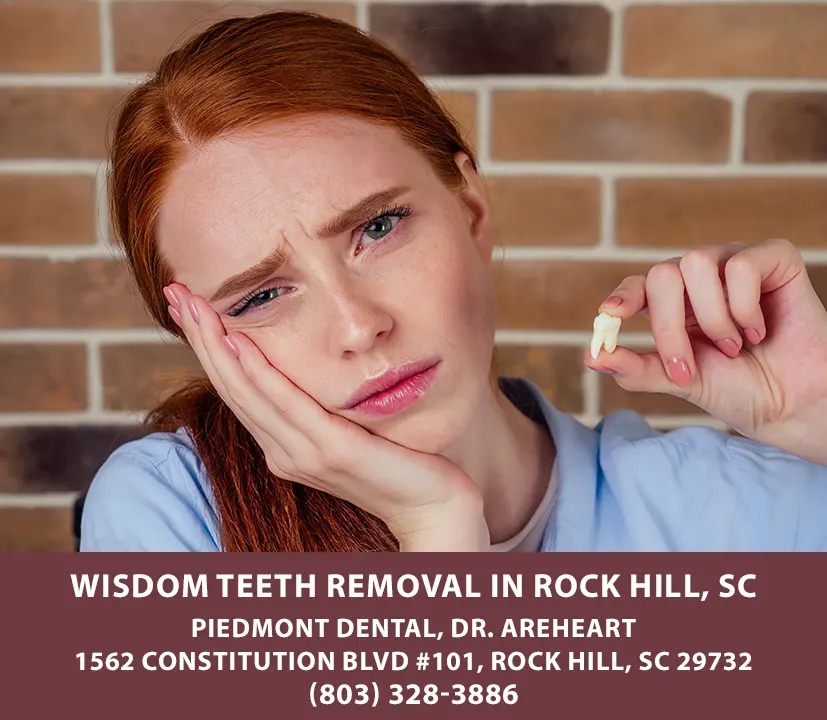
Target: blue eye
(257, 298)
(382, 225)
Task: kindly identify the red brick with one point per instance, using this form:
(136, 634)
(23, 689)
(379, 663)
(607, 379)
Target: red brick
(726, 40)
(556, 370)
(41, 529)
(559, 294)
(47, 210)
(610, 126)
(146, 31)
(690, 212)
(462, 106)
(42, 378)
(565, 294)
(545, 210)
(786, 127)
(49, 37)
(65, 294)
(139, 376)
(55, 122)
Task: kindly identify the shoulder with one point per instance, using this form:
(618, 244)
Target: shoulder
(150, 494)
(699, 488)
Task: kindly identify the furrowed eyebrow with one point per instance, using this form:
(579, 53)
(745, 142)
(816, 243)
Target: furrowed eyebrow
(263, 270)
(359, 212)
(251, 277)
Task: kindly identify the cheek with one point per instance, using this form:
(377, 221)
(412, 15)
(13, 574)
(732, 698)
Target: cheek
(463, 295)
(292, 355)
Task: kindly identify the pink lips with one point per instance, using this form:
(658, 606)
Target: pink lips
(395, 390)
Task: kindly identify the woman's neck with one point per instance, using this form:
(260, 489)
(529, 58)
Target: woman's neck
(510, 458)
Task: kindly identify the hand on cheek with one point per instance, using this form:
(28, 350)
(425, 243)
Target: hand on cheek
(428, 503)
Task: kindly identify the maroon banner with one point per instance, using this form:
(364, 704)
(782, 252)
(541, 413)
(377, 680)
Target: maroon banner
(436, 636)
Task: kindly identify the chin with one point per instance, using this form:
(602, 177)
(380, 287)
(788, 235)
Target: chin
(429, 431)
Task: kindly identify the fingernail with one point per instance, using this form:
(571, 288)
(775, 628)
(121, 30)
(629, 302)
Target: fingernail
(193, 310)
(679, 371)
(612, 301)
(230, 344)
(605, 370)
(753, 335)
(729, 347)
(175, 315)
(173, 298)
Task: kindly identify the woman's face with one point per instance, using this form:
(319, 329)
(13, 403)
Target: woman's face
(335, 247)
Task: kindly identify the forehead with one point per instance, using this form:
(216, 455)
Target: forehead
(229, 203)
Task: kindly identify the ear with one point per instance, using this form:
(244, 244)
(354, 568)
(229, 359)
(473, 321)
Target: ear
(474, 197)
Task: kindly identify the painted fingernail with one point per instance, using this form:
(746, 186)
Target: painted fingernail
(679, 371)
(612, 301)
(231, 345)
(172, 298)
(193, 310)
(753, 335)
(729, 347)
(176, 316)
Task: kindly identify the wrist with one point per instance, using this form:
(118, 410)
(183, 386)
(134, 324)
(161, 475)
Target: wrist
(456, 526)
(802, 438)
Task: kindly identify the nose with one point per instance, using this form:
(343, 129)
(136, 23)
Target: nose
(359, 322)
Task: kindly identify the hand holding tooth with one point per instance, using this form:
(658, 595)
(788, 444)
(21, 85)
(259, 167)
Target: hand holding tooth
(739, 331)
(606, 329)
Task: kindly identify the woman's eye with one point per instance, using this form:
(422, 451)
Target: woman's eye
(258, 299)
(263, 297)
(381, 226)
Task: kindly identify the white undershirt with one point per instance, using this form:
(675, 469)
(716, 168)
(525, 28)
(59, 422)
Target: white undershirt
(530, 538)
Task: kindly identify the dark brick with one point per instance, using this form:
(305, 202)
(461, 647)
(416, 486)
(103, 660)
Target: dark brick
(557, 371)
(477, 39)
(57, 458)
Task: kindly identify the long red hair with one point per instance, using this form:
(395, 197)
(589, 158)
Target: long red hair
(238, 74)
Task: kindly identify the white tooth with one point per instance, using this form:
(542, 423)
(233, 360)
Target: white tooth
(606, 329)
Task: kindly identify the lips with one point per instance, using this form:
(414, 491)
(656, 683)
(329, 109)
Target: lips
(394, 390)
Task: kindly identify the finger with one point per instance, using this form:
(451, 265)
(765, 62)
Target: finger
(193, 310)
(188, 320)
(667, 314)
(759, 269)
(635, 372)
(293, 404)
(627, 299)
(701, 271)
(239, 388)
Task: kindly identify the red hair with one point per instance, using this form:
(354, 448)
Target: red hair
(238, 74)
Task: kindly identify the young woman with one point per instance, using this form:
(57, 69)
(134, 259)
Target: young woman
(295, 204)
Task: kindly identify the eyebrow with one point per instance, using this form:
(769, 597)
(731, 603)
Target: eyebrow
(261, 271)
(360, 212)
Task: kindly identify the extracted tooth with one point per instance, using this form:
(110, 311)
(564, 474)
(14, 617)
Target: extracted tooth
(606, 329)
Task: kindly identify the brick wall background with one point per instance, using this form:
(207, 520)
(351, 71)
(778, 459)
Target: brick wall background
(613, 134)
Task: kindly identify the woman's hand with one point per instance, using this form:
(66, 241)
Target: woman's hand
(739, 332)
(428, 503)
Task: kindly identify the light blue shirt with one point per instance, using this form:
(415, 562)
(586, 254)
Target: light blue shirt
(622, 487)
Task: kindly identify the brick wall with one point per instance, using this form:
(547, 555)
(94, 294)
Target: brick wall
(613, 135)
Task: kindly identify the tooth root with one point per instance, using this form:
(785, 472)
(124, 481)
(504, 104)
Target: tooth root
(606, 329)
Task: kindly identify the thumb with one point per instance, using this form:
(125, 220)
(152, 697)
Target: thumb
(635, 372)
